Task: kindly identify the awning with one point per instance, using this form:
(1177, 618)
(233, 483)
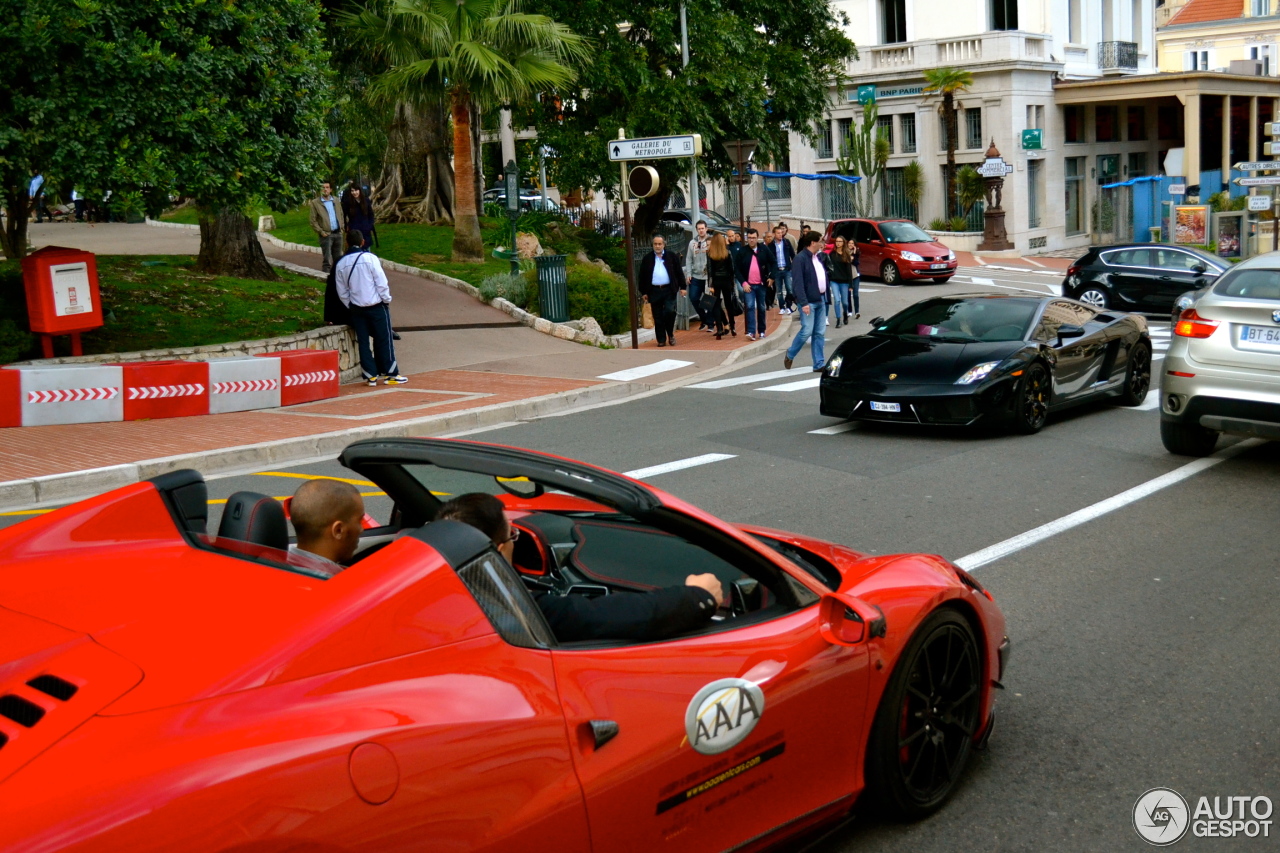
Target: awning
(1143, 180)
(825, 176)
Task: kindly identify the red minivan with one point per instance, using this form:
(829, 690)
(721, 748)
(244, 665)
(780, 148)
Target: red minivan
(894, 250)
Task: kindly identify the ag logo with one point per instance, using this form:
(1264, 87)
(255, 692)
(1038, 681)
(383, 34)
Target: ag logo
(1275, 315)
(722, 714)
(893, 376)
(1160, 816)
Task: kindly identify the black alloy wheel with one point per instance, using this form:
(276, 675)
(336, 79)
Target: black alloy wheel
(1137, 378)
(1033, 400)
(1094, 297)
(925, 727)
(889, 273)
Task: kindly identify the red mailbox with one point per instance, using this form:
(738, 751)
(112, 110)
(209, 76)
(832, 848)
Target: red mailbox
(62, 294)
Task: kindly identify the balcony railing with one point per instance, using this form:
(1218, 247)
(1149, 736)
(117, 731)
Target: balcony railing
(1007, 46)
(1118, 56)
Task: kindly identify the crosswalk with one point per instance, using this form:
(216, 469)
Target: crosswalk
(1161, 338)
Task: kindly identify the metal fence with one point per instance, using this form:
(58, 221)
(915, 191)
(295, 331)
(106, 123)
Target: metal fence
(1111, 217)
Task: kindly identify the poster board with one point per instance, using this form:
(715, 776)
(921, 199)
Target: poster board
(1191, 224)
(1228, 234)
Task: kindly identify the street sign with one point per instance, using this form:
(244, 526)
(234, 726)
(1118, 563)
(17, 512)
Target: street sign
(1259, 166)
(995, 167)
(1177, 189)
(1264, 181)
(1259, 203)
(1272, 128)
(1033, 139)
(642, 181)
(656, 148)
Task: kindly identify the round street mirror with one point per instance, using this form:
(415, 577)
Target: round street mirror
(642, 181)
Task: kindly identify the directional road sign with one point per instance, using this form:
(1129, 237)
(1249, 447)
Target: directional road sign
(1259, 203)
(1272, 128)
(1264, 181)
(1260, 166)
(995, 167)
(1177, 189)
(656, 147)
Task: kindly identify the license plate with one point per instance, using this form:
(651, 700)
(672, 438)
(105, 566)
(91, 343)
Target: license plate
(885, 407)
(1268, 336)
(937, 266)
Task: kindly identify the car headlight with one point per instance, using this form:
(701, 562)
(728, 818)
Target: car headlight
(977, 373)
(951, 256)
(911, 256)
(833, 366)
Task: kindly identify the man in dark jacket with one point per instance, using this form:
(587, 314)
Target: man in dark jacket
(639, 616)
(810, 279)
(754, 267)
(784, 254)
(661, 276)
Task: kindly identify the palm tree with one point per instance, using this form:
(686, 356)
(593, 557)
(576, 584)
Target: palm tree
(948, 82)
(480, 54)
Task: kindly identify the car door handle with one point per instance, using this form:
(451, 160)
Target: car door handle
(1166, 278)
(602, 731)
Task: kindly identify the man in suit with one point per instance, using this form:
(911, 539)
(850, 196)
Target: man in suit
(328, 223)
(661, 276)
(810, 279)
(784, 255)
(754, 267)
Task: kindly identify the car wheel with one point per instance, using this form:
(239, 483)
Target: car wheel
(1033, 400)
(1137, 378)
(1094, 297)
(1188, 439)
(889, 273)
(923, 731)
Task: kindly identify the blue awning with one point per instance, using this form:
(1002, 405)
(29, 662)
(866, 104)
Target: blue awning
(1143, 180)
(825, 176)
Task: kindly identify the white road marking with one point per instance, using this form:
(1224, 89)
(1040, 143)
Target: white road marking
(795, 386)
(1037, 263)
(678, 465)
(646, 370)
(976, 280)
(1152, 401)
(980, 261)
(742, 380)
(834, 430)
(1053, 528)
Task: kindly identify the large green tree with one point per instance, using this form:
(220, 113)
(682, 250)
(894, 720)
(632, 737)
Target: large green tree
(480, 54)
(223, 102)
(756, 70)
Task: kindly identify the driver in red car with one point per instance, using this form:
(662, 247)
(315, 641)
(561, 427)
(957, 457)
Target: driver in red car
(640, 616)
(326, 515)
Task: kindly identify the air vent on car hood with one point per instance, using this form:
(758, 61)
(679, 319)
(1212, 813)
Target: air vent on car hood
(51, 680)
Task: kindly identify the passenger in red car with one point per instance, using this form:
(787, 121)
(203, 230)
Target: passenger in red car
(640, 616)
(326, 515)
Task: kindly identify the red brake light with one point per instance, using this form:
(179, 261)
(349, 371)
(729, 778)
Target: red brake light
(1073, 269)
(1192, 325)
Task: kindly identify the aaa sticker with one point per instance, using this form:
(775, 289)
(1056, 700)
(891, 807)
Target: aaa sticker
(722, 714)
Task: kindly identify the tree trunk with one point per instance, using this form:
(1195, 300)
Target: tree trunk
(468, 247)
(13, 237)
(417, 178)
(948, 105)
(229, 246)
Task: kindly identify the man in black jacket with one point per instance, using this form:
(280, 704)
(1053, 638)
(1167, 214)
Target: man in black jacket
(755, 268)
(639, 616)
(660, 277)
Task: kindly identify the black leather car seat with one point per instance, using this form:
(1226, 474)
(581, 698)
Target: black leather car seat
(255, 518)
(187, 497)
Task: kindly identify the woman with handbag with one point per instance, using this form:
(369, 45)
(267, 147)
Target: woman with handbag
(721, 288)
(844, 279)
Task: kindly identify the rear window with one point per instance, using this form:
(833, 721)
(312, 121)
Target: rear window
(1250, 284)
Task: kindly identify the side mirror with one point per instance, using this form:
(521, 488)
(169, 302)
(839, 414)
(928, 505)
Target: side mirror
(747, 595)
(1066, 330)
(846, 620)
(877, 321)
(1200, 269)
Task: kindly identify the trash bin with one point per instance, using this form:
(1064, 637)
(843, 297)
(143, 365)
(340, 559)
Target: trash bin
(553, 287)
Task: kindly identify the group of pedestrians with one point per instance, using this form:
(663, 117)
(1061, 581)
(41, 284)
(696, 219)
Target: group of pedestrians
(728, 277)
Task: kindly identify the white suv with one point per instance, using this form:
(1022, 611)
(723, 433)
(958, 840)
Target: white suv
(1222, 371)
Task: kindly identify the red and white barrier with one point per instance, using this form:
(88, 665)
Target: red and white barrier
(165, 389)
(240, 384)
(61, 394)
(306, 375)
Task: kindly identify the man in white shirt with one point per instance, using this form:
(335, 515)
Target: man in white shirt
(811, 279)
(362, 287)
(327, 515)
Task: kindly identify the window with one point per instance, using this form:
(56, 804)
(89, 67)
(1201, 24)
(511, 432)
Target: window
(1138, 165)
(1106, 123)
(1195, 60)
(1262, 53)
(1035, 175)
(1137, 121)
(1074, 180)
(1073, 124)
(893, 17)
(1169, 123)
(884, 128)
(1035, 116)
(1075, 29)
(1172, 259)
(1128, 258)
(824, 141)
(865, 232)
(893, 197)
(1004, 14)
(1258, 8)
(1057, 314)
(973, 127)
(908, 125)
(1108, 168)
(844, 127)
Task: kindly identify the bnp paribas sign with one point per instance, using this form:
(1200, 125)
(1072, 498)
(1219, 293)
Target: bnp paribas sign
(871, 93)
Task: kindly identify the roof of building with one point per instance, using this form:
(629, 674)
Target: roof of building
(1203, 11)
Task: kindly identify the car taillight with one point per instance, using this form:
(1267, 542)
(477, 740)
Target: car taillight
(1192, 325)
(1073, 269)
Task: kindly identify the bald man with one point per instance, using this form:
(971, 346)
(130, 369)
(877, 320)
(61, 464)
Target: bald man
(326, 515)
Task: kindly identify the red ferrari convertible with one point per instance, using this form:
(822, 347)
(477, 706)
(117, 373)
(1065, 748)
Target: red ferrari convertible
(164, 688)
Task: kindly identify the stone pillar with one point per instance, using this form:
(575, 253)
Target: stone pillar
(1226, 145)
(995, 238)
(1191, 138)
(1253, 129)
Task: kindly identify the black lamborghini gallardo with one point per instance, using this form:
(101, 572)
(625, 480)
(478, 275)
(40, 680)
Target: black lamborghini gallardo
(964, 360)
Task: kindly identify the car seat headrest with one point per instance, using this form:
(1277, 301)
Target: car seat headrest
(251, 517)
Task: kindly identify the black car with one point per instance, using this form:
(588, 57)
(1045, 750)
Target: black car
(1139, 276)
(964, 360)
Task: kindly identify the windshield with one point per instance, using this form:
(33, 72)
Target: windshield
(1250, 284)
(964, 320)
(904, 232)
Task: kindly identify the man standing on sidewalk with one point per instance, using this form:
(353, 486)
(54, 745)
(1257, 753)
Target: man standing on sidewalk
(784, 256)
(362, 287)
(811, 281)
(754, 268)
(695, 261)
(35, 195)
(328, 223)
(661, 276)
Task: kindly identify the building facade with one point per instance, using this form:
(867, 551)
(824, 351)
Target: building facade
(1236, 36)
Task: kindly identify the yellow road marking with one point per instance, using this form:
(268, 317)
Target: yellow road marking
(312, 477)
(278, 497)
(27, 512)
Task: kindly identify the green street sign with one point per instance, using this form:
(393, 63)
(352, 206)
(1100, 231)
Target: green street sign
(1033, 140)
(867, 94)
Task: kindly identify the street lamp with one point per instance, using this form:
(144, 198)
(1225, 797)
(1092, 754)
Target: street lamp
(741, 151)
(513, 210)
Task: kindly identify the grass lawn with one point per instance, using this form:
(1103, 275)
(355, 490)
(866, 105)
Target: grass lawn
(161, 301)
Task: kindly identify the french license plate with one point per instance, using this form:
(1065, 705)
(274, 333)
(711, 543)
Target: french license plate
(1266, 335)
(885, 407)
(937, 266)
